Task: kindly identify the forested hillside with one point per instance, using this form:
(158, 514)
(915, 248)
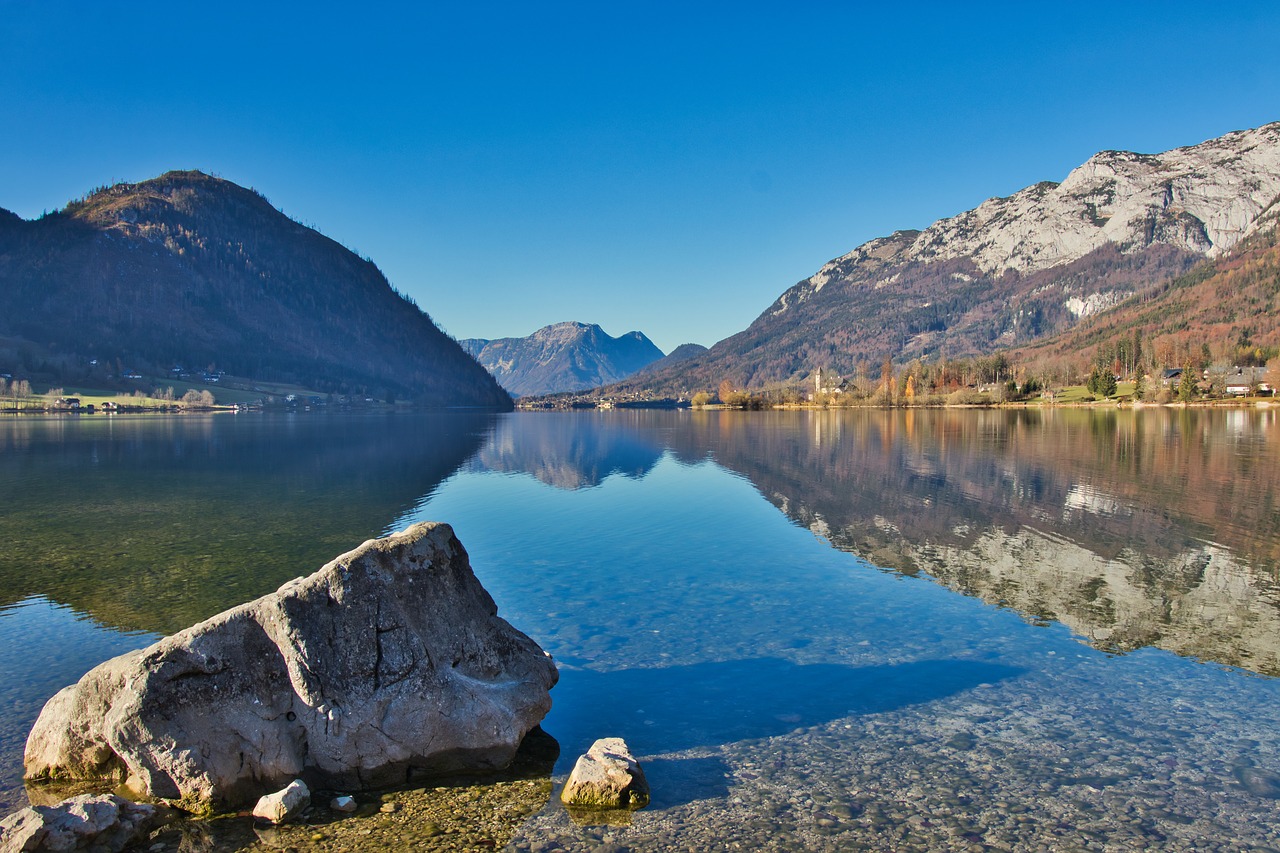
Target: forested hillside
(194, 271)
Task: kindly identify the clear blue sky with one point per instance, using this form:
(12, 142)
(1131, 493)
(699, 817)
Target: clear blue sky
(664, 167)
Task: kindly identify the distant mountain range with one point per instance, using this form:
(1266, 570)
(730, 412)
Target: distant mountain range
(562, 357)
(194, 271)
(1119, 231)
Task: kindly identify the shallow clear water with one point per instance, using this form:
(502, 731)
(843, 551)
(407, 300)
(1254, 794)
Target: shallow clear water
(818, 630)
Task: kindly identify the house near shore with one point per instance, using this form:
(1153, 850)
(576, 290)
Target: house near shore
(1243, 381)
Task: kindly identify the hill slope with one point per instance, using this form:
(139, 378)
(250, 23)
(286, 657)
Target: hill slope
(192, 270)
(562, 357)
(1231, 303)
(1011, 271)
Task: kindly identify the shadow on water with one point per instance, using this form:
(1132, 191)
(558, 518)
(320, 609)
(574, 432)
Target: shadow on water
(660, 710)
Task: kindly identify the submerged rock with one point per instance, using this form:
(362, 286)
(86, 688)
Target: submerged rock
(344, 803)
(1260, 783)
(104, 822)
(607, 777)
(390, 658)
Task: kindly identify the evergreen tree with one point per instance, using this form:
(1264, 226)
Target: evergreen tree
(1187, 387)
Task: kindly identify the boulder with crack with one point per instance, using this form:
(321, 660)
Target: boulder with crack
(390, 658)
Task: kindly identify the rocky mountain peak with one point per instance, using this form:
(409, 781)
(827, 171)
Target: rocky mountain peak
(568, 356)
(1202, 198)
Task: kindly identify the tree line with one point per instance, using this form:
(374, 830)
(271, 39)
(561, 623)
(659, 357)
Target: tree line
(1001, 377)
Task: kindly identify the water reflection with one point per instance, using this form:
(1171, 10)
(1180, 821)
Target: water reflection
(1151, 528)
(154, 523)
(784, 695)
(571, 450)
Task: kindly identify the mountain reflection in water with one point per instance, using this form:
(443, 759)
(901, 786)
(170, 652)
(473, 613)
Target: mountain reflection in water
(1150, 528)
(569, 450)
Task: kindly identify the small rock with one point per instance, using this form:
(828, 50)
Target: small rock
(343, 804)
(388, 808)
(607, 777)
(283, 804)
(105, 822)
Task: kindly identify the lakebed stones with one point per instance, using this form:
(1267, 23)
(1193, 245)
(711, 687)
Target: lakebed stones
(606, 777)
(390, 658)
(104, 822)
(284, 804)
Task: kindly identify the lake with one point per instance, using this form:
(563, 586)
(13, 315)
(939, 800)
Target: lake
(817, 630)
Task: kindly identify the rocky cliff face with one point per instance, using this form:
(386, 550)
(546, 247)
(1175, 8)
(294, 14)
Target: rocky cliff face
(1012, 270)
(1203, 199)
(563, 357)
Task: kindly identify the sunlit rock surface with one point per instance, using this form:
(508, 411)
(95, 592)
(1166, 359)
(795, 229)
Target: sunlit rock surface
(607, 777)
(1202, 198)
(389, 658)
(104, 823)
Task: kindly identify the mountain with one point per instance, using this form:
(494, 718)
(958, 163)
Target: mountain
(192, 270)
(684, 352)
(1231, 301)
(562, 357)
(1009, 272)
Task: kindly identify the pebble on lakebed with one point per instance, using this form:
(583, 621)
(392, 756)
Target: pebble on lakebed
(442, 813)
(445, 817)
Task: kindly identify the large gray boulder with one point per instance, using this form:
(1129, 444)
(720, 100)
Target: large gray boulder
(388, 659)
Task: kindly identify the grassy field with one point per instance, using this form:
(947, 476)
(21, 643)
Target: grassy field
(1080, 394)
(229, 391)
